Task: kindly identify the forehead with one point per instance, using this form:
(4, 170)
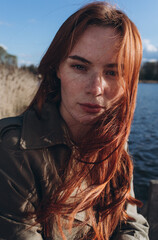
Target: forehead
(97, 42)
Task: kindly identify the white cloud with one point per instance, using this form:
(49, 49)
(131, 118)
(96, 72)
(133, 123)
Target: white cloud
(32, 20)
(149, 60)
(24, 55)
(148, 46)
(153, 60)
(4, 23)
(3, 46)
(24, 62)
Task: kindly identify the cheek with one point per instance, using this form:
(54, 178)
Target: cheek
(65, 81)
(115, 91)
(119, 91)
(68, 88)
(72, 83)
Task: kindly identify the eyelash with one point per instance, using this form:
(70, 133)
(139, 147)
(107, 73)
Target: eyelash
(111, 73)
(79, 67)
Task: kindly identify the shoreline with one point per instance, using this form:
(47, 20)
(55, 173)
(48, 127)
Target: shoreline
(148, 81)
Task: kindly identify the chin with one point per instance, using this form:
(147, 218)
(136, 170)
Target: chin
(88, 121)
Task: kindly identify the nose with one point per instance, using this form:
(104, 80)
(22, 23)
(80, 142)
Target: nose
(95, 84)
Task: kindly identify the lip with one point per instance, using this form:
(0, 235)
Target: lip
(91, 108)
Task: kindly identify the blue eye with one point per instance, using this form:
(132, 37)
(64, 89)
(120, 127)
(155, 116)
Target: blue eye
(111, 73)
(79, 67)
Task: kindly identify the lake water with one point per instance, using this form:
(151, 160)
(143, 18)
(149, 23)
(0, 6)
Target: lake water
(143, 141)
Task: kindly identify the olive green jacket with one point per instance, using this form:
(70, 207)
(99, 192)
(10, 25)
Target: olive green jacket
(33, 149)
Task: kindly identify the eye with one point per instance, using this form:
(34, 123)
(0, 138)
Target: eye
(111, 73)
(79, 67)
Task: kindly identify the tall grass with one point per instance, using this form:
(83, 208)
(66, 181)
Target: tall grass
(17, 89)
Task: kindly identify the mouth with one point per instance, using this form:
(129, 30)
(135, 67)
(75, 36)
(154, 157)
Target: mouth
(91, 108)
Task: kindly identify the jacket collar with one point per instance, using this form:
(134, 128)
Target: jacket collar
(45, 129)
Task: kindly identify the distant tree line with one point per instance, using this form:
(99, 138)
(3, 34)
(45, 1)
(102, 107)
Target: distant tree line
(31, 68)
(7, 59)
(149, 71)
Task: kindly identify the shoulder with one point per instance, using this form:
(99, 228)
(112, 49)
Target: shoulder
(10, 130)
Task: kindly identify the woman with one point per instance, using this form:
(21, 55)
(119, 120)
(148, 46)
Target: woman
(65, 171)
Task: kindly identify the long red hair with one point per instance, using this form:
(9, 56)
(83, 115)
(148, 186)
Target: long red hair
(100, 158)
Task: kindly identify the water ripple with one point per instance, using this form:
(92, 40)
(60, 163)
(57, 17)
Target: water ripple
(143, 141)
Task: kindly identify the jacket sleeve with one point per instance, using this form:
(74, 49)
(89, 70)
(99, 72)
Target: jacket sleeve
(133, 230)
(17, 190)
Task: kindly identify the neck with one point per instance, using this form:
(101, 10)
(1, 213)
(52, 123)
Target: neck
(77, 129)
(78, 132)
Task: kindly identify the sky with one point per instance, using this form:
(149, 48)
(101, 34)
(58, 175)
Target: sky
(27, 27)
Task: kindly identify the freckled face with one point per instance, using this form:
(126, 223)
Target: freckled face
(89, 79)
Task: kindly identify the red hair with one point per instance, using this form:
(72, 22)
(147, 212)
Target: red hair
(100, 159)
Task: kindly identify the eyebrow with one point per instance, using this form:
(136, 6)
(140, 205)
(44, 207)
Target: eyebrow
(84, 60)
(75, 57)
(112, 65)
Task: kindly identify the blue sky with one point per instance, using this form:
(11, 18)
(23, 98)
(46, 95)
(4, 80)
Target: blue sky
(27, 27)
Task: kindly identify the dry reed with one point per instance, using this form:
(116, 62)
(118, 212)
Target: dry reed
(17, 89)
